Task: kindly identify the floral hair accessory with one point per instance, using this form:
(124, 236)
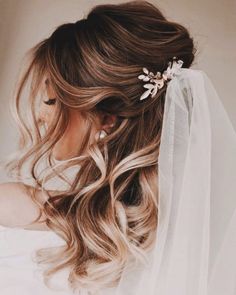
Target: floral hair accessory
(158, 80)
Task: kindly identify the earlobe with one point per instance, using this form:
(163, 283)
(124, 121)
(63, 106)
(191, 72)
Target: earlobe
(108, 122)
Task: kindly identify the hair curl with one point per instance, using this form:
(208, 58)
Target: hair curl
(110, 210)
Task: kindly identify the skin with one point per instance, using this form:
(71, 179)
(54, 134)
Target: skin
(68, 145)
(16, 206)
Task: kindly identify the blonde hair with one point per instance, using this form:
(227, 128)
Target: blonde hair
(110, 211)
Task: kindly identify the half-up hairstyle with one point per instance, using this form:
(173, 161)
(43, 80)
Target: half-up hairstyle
(110, 211)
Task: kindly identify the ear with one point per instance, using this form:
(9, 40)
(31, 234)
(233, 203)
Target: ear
(108, 121)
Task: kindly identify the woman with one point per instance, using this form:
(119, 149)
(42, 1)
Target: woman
(142, 162)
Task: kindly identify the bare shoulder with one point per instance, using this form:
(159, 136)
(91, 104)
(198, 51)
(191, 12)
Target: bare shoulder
(17, 209)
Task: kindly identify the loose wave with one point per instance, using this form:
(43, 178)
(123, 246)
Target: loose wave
(110, 210)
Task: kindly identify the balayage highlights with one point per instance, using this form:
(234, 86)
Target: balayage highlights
(110, 211)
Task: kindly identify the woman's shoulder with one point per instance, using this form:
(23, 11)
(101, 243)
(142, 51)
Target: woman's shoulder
(17, 209)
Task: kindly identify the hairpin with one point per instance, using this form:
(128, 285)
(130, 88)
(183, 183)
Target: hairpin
(158, 80)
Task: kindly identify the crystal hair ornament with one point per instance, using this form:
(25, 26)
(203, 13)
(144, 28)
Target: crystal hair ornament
(158, 80)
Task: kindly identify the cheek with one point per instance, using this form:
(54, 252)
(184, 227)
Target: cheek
(76, 128)
(46, 113)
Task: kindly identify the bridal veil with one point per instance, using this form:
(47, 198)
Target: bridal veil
(194, 252)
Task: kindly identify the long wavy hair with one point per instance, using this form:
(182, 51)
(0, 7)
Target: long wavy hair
(109, 212)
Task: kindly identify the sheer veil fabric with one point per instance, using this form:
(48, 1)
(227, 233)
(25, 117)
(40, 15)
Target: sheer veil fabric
(194, 252)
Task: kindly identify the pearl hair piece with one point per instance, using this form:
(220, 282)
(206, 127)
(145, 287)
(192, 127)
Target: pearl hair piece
(158, 80)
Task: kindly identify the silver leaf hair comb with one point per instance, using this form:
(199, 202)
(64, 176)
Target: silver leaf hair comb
(158, 80)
